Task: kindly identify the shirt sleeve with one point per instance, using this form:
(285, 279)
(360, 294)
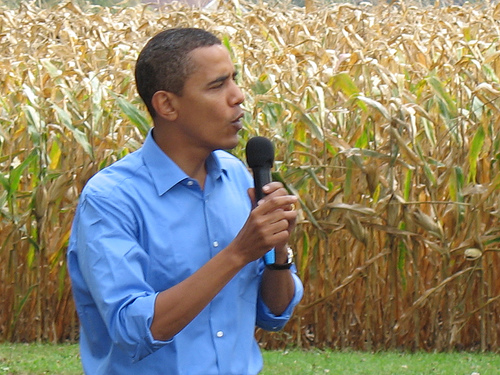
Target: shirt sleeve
(113, 267)
(270, 322)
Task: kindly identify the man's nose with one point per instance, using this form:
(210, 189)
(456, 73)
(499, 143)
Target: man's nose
(237, 95)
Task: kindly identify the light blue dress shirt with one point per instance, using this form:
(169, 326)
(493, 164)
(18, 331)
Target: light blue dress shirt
(142, 226)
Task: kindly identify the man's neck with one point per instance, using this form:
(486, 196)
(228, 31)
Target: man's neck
(193, 163)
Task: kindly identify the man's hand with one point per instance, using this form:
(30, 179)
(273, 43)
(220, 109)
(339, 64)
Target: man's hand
(269, 225)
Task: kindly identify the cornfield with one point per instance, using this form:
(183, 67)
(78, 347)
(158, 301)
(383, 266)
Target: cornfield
(386, 122)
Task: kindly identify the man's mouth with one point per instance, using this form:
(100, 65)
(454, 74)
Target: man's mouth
(237, 121)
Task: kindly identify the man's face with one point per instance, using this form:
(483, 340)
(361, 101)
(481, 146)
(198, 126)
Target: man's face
(209, 112)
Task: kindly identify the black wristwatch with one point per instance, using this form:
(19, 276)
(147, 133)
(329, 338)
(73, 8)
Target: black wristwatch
(285, 266)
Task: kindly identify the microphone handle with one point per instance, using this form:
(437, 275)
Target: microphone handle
(261, 177)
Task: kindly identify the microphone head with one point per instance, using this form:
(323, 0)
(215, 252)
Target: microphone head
(260, 152)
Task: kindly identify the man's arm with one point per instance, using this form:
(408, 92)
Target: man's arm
(268, 226)
(278, 287)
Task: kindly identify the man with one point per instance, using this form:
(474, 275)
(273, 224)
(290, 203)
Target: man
(166, 249)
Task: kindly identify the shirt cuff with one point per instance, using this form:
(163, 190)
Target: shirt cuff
(149, 345)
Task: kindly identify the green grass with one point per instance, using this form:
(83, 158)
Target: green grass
(36, 359)
(387, 363)
(39, 359)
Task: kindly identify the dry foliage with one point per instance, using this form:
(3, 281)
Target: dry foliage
(386, 121)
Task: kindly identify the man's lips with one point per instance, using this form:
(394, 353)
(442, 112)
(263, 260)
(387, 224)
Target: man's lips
(237, 121)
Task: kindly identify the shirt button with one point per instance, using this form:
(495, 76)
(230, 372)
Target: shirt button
(190, 183)
(216, 244)
(220, 334)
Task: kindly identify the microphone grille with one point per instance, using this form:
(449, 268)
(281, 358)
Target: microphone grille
(260, 152)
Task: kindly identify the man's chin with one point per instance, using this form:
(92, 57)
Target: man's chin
(230, 144)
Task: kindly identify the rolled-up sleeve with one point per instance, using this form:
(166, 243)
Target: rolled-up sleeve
(113, 269)
(270, 322)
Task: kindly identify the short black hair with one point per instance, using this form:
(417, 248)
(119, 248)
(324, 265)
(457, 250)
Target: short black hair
(164, 62)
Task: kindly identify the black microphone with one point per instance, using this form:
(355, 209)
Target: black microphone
(260, 157)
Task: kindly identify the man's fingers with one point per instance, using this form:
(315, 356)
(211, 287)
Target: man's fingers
(272, 187)
(272, 203)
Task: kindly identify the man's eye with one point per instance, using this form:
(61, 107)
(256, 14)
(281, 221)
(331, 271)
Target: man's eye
(217, 85)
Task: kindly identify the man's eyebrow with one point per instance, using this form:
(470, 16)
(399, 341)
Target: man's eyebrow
(224, 78)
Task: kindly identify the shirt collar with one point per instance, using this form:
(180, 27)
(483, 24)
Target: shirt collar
(165, 173)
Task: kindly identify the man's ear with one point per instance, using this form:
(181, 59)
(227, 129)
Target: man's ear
(164, 104)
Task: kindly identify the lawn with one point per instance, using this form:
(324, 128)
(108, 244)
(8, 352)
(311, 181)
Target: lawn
(34, 359)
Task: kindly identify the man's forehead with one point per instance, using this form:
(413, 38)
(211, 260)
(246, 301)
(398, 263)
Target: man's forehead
(210, 58)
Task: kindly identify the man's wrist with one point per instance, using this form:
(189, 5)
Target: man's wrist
(283, 260)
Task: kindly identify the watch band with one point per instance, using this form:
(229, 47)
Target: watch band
(285, 266)
(277, 267)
